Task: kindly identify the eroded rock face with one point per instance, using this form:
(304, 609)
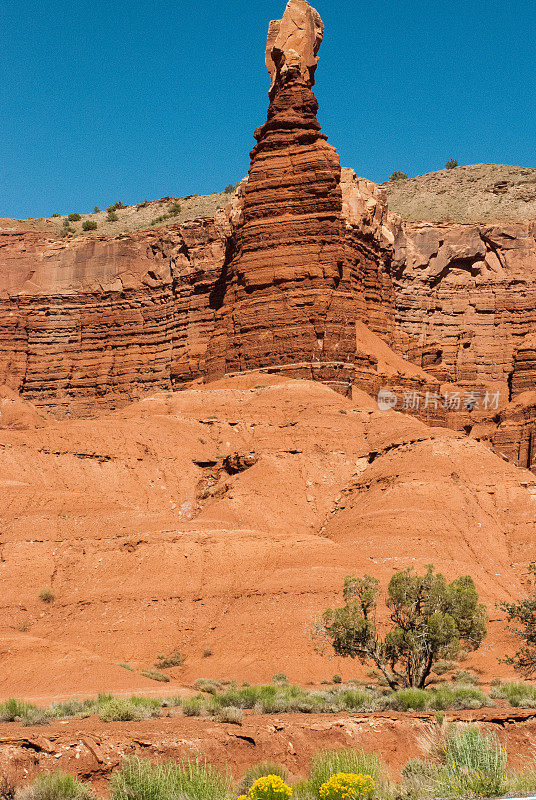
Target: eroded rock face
(293, 43)
(468, 292)
(92, 324)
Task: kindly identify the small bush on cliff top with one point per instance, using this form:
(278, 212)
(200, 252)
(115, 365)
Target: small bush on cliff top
(397, 175)
(89, 225)
(74, 217)
(451, 164)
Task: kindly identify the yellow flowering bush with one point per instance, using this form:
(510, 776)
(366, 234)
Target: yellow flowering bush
(347, 786)
(271, 787)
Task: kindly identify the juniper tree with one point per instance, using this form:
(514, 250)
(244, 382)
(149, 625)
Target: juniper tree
(430, 619)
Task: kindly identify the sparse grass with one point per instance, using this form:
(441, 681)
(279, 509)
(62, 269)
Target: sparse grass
(126, 666)
(208, 685)
(140, 779)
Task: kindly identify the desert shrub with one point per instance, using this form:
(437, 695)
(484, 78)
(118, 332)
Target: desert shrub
(73, 217)
(89, 225)
(229, 189)
(346, 785)
(207, 652)
(56, 786)
(354, 700)
(280, 677)
(464, 676)
(269, 787)
(442, 667)
(447, 696)
(419, 778)
(410, 699)
(125, 710)
(260, 770)
(155, 676)
(96, 210)
(56, 215)
(46, 595)
(518, 694)
(337, 679)
(36, 716)
(475, 763)
(397, 175)
(208, 685)
(67, 708)
(451, 163)
(112, 217)
(330, 762)
(229, 714)
(115, 207)
(140, 779)
(174, 660)
(193, 706)
(174, 209)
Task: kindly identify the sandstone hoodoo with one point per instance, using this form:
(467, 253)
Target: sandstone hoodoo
(295, 283)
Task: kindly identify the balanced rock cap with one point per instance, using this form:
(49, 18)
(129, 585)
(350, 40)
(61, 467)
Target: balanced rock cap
(293, 43)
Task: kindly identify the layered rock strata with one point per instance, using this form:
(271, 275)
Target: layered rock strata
(299, 277)
(96, 323)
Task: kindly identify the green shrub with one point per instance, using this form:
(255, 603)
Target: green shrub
(96, 210)
(446, 696)
(280, 677)
(67, 708)
(56, 786)
(260, 770)
(518, 694)
(46, 595)
(73, 217)
(123, 710)
(419, 778)
(115, 207)
(230, 188)
(174, 660)
(174, 209)
(112, 217)
(410, 699)
(56, 215)
(139, 779)
(12, 709)
(451, 163)
(397, 175)
(89, 225)
(475, 763)
(329, 762)
(193, 706)
(337, 679)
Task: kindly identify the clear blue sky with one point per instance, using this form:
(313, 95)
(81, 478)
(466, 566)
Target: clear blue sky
(108, 100)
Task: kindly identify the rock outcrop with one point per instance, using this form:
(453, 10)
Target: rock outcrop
(299, 277)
